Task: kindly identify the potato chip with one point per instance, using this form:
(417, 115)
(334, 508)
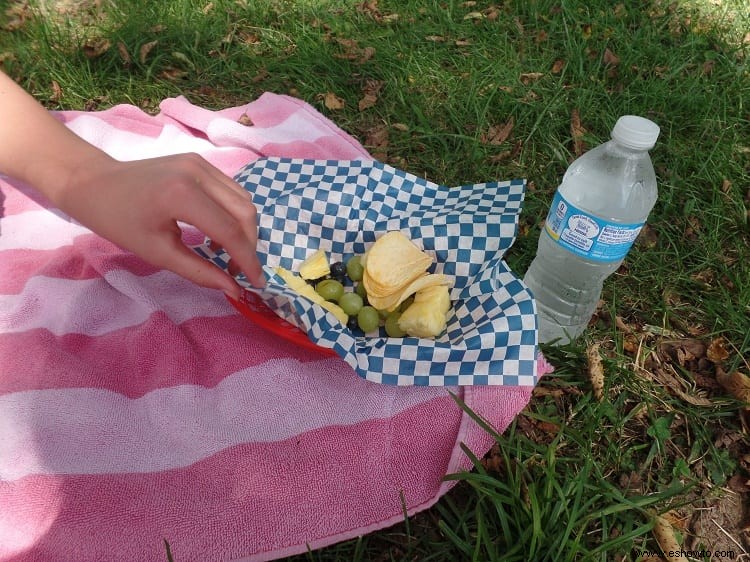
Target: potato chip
(426, 281)
(392, 263)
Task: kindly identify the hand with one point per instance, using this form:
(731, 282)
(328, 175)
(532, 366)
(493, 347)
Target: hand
(137, 205)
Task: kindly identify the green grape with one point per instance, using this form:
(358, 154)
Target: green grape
(354, 268)
(351, 303)
(391, 325)
(361, 291)
(368, 319)
(330, 289)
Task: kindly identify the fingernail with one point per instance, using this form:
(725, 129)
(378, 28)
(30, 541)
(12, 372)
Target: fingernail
(233, 294)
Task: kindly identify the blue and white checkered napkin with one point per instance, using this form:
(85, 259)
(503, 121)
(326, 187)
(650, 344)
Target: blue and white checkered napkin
(343, 207)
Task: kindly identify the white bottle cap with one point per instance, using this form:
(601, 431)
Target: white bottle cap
(635, 132)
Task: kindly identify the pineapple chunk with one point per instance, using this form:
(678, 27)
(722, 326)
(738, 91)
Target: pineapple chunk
(299, 286)
(315, 266)
(426, 316)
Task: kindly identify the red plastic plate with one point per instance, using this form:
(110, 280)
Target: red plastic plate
(252, 307)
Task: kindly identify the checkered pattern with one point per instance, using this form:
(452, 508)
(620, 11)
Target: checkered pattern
(342, 207)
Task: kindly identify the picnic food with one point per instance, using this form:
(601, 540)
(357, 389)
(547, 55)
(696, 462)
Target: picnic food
(315, 267)
(394, 288)
(300, 286)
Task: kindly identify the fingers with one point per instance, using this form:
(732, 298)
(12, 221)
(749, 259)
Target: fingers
(228, 216)
(184, 262)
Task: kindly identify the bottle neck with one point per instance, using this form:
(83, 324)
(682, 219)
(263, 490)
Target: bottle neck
(617, 147)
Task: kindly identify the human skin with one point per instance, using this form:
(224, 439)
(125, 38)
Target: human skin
(136, 205)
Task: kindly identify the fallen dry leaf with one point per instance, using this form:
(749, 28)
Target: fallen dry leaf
(666, 376)
(611, 58)
(529, 77)
(377, 137)
(507, 154)
(124, 54)
(685, 351)
(596, 371)
(474, 16)
(717, 350)
(145, 49)
(57, 92)
(435, 38)
(367, 101)
(576, 132)
(498, 134)
(245, 120)
(94, 48)
(737, 384)
(557, 66)
(333, 102)
(173, 74)
(370, 91)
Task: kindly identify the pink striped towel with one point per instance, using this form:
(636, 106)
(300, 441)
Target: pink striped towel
(136, 407)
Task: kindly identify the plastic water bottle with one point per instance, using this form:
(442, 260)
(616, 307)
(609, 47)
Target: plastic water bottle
(598, 210)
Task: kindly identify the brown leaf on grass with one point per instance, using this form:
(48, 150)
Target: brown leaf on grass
(666, 538)
(370, 8)
(124, 54)
(647, 237)
(145, 49)
(498, 134)
(377, 138)
(366, 54)
(596, 371)
(172, 74)
(474, 16)
(717, 351)
(57, 92)
(493, 461)
(333, 102)
(507, 154)
(367, 101)
(737, 384)
(435, 38)
(576, 132)
(353, 52)
(94, 48)
(708, 67)
(260, 76)
(370, 91)
(529, 77)
(557, 66)
(672, 382)
(611, 58)
(686, 352)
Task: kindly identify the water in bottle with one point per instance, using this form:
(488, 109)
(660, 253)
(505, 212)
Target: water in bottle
(598, 210)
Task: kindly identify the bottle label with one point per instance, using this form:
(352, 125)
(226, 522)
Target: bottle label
(588, 236)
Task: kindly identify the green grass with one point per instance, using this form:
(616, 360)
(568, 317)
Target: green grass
(573, 478)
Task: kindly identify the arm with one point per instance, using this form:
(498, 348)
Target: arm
(137, 204)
